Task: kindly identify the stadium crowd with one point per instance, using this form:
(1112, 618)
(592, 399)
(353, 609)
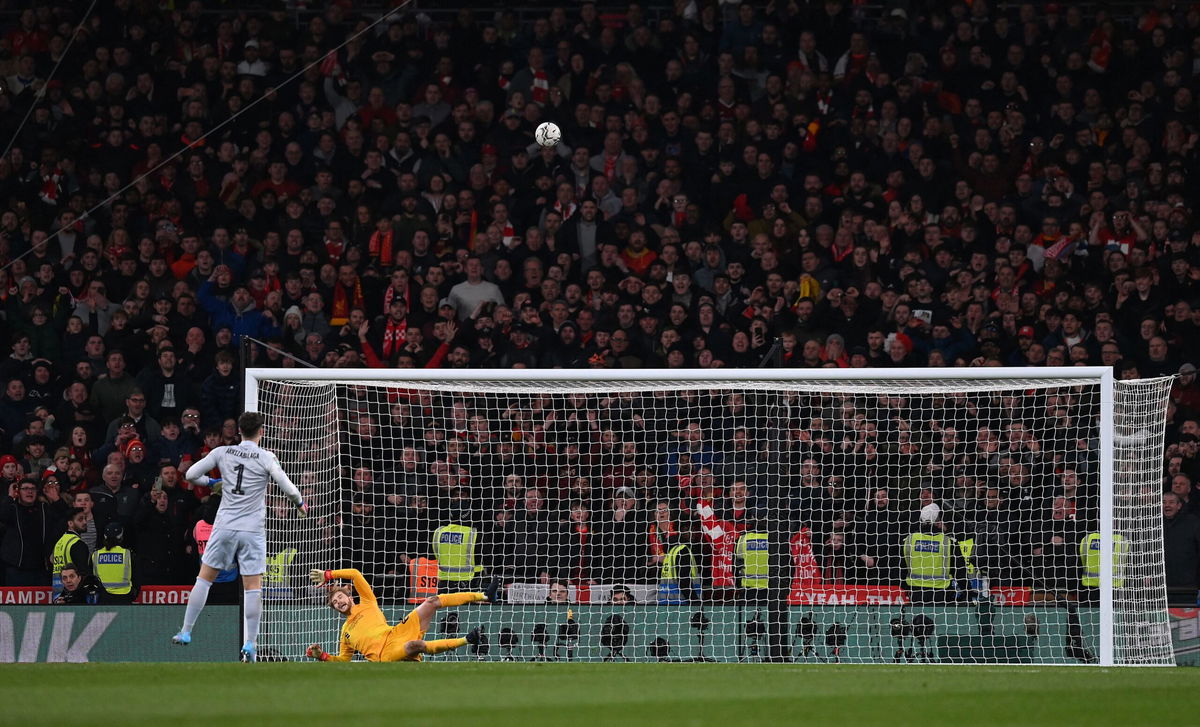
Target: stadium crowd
(926, 184)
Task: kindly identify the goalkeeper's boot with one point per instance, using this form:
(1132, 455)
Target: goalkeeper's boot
(249, 653)
(183, 638)
(1076, 650)
(492, 592)
(473, 636)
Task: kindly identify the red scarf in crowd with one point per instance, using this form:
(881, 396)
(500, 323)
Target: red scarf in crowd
(566, 211)
(540, 90)
(50, 186)
(824, 102)
(342, 304)
(610, 166)
(381, 247)
(394, 335)
(334, 250)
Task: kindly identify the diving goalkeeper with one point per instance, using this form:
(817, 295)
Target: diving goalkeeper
(366, 630)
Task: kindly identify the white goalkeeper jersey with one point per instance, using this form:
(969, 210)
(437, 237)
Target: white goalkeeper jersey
(246, 469)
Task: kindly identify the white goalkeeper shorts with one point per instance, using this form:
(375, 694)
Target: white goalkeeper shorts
(245, 549)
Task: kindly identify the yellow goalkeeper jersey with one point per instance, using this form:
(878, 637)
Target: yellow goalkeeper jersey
(366, 629)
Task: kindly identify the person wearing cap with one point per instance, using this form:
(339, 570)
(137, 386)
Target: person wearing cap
(44, 386)
(521, 352)
(1026, 338)
(113, 564)
(251, 64)
(139, 470)
(930, 559)
(511, 132)
(563, 350)
(124, 432)
(388, 335)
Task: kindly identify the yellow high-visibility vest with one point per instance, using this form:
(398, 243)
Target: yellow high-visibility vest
(928, 558)
(454, 546)
(669, 590)
(61, 557)
(1089, 555)
(278, 566)
(114, 567)
(753, 552)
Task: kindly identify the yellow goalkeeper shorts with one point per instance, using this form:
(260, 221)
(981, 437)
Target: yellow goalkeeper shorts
(407, 630)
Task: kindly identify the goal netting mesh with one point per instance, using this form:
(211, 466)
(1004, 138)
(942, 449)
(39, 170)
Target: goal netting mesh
(805, 520)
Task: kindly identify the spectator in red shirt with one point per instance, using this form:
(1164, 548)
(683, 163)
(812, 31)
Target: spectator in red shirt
(278, 182)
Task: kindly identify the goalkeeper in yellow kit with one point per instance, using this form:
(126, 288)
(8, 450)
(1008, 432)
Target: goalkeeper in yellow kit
(367, 632)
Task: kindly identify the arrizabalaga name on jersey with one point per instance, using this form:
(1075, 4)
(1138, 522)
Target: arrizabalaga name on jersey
(246, 470)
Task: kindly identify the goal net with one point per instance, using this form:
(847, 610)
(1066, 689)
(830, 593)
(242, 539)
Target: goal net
(853, 516)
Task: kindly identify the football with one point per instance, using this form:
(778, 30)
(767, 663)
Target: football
(547, 134)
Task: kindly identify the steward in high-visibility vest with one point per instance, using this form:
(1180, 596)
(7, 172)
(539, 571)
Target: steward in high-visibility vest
(278, 565)
(929, 557)
(753, 555)
(113, 564)
(679, 579)
(1089, 557)
(70, 550)
(454, 548)
(423, 579)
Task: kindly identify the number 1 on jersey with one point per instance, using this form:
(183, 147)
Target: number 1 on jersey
(237, 488)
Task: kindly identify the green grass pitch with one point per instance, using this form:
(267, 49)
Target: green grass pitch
(570, 695)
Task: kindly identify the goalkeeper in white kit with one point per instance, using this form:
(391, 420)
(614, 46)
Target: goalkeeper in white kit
(239, 531)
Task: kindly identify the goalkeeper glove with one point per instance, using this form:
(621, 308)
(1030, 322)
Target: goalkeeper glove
(316, 652)
(318, 577)
(215, 484)
(301, 509)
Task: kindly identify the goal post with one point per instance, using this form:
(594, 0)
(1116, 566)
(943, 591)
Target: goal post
(981, 515)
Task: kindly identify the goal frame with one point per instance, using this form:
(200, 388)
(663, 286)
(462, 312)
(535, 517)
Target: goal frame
(1096, 375)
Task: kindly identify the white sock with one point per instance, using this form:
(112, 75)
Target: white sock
(253, 611)
(196, 603)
